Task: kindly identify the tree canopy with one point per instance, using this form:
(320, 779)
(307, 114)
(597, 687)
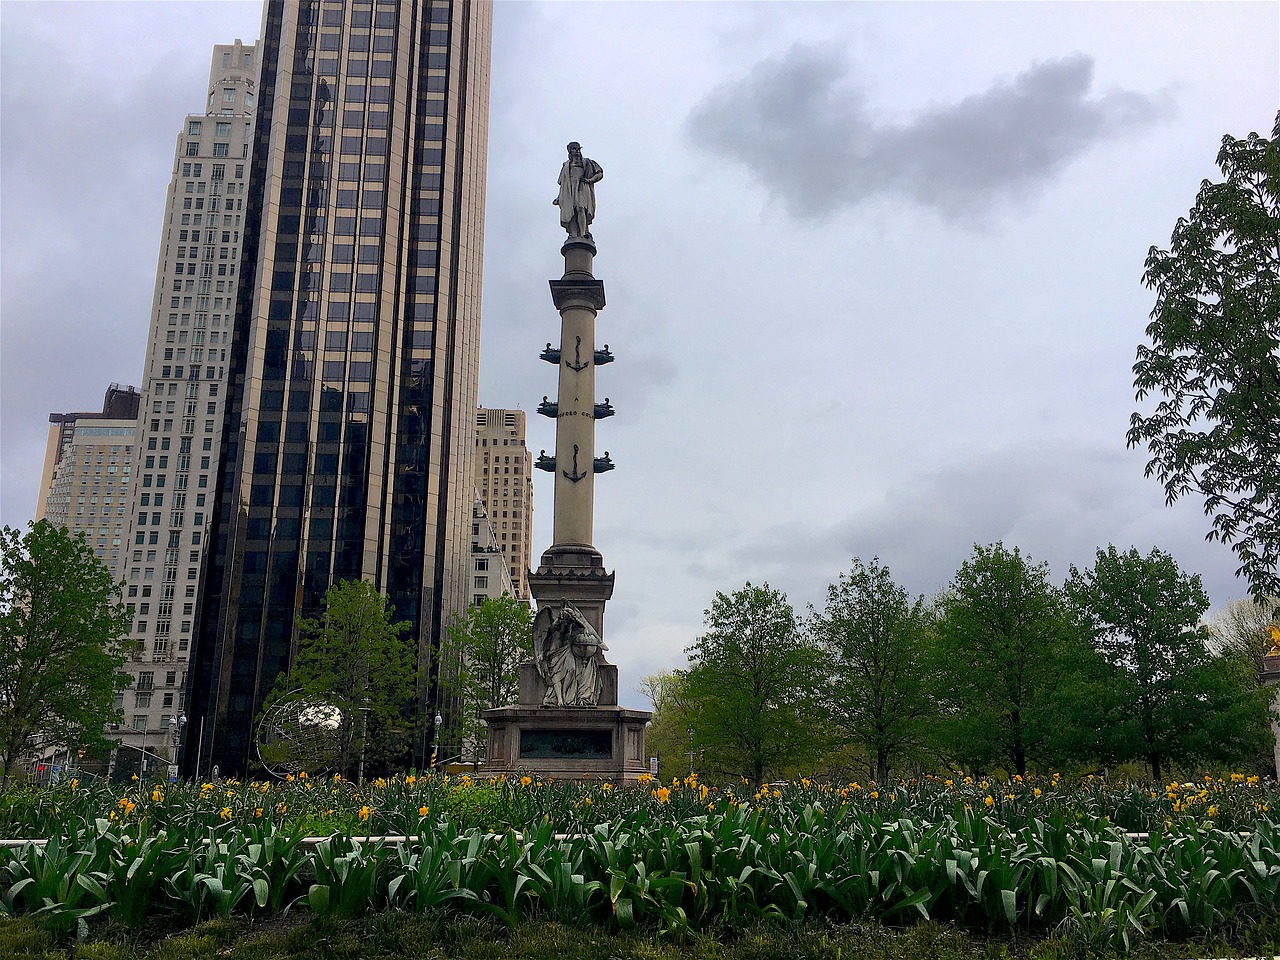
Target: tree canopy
(1170, 699)
(354, 658)
(490, 642)
(874, 634)
(63, 633)
(1005, 644)
(667, 737)
(750, 692)
(1248, 628)
(1214, 358)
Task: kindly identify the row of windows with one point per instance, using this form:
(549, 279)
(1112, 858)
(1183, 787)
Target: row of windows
(219, 150)
(166, 592)
(360, 18)
(179, 500)
(221, 128)
(159, 480)
(149, 573)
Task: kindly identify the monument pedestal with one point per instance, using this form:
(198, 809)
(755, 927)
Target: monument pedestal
(567, 743)
(604, 742)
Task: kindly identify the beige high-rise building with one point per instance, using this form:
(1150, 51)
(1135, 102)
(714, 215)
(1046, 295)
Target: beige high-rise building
(89, 465)
(119, 403)
(489, 575)
(503, 476)
(184, 387)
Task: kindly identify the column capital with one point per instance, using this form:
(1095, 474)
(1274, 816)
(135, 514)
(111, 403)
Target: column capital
(575, 292)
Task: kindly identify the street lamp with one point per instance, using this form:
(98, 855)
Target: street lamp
(364, 732)
(179, 730)
(435, 734)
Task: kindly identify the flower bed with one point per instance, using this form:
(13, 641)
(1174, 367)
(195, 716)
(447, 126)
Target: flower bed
(989, 856)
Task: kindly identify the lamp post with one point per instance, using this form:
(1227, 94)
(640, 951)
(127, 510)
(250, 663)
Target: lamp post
(691, 751)
(179, 729)
(364, 732)
(435, 735)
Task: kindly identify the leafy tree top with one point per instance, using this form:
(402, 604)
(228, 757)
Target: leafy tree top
(1214, 358)
(63, 637)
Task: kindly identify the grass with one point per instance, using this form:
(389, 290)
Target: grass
(399, 935)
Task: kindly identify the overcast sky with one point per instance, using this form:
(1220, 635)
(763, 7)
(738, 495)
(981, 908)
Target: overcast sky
(873, 270)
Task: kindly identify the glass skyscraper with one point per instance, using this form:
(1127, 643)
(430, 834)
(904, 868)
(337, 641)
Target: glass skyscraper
(349, 432)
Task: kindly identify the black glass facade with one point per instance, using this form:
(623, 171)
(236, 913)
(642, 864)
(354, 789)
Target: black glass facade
(347, 444)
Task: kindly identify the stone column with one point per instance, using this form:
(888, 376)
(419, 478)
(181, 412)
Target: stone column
(579, 297)
(572, 568)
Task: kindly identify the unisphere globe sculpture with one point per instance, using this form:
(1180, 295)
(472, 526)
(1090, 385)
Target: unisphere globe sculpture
(300, 734)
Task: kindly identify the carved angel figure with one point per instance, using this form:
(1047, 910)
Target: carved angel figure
(568, 651)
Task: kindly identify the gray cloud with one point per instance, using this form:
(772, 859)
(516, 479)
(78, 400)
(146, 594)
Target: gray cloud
(808, 136)
(1059, 501)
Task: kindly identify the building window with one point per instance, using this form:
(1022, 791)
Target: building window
(221, 150)
(193, 128)
(193, 150)
(228, 95)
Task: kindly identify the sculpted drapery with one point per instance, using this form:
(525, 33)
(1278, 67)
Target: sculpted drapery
(577, 199)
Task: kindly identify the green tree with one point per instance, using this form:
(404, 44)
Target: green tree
(1245, 631)
(875, 637)
(1005, 642)
(1214, 356)
(63, 635)
(1170, 699)
(1245, 627)
(750, 691)
(490, 642)
(354, 658)
(668, 734)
